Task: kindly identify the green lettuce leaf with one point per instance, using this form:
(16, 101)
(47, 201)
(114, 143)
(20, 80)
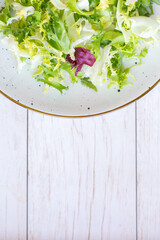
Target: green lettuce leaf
(89, 84)
(56, 33)
(56, 85)
(72, 4)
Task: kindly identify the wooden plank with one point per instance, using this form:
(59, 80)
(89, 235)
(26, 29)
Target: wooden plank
(82, 177)
(148, 136)
(13, 153)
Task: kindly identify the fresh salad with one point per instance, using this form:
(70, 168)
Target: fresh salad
(88, 39)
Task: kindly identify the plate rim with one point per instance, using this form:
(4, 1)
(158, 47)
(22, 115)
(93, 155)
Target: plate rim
(81, 116)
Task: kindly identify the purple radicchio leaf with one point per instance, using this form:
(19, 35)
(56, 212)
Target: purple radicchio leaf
(82, 56)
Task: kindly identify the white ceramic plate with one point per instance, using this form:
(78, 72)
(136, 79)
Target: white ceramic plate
(78, 100)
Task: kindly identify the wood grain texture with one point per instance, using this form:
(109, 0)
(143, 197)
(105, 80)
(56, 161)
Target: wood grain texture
(148, 165)
(82, 177)
(13, 152)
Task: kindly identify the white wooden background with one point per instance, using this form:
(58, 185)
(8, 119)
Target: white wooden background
(93, 178)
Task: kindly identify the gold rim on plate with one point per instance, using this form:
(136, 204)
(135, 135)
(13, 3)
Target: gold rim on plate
(91, 115)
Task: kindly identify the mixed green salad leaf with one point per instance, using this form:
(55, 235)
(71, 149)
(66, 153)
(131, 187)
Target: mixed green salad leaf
(89, 39)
